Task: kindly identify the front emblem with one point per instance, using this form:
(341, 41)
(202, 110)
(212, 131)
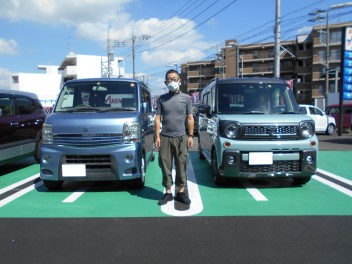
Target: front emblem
(271, 130)
(86, 129)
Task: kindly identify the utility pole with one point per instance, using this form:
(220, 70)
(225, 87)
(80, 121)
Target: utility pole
(277, 41)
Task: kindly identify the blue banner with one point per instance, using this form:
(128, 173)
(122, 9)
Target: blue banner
(347, 65)
(347, 87)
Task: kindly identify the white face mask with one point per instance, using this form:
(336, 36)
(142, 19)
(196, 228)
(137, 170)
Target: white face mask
(173, 86)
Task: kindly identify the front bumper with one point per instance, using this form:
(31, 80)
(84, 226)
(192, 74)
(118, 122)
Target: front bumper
(117, 162)
(285, 165)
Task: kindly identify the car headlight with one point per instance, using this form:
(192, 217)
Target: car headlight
(307, 129)
(47, 134)
(231, 130)
(131, 132)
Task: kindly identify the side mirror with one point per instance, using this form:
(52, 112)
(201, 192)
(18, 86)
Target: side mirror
(204, 109)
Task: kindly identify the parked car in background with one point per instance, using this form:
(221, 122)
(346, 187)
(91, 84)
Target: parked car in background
(195, 117)
(333, 110)
(323, 122)
(21, 120)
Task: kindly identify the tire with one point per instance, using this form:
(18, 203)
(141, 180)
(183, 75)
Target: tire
(37, 151)
(217, 178)
(330, 129)
(302, 180)
(38, 145)
(53, 185)
(140, 182)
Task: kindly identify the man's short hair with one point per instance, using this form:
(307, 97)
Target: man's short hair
(171, 71)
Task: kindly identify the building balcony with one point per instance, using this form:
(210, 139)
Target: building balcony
(304, 70)
(304, 53)
(192, 86)
(70, 71)
(304, 86)
(316, 93)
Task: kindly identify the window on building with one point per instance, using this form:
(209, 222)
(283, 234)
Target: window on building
(335, 54)
(335, 37)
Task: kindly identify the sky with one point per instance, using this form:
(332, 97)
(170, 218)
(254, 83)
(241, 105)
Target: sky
(167, 33)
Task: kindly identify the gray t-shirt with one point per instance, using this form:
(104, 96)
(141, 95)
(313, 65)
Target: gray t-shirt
(173, 109)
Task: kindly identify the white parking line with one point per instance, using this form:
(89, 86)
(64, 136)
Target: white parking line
(74, 196)
(333, 185)
(334, 176)
(20, 193)
(257, 195)
(196, 205)
(15, 185)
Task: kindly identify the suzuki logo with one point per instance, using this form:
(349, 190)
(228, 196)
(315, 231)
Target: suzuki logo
(86, 129)
(271, 130)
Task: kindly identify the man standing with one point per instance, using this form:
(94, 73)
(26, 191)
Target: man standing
(173, 109)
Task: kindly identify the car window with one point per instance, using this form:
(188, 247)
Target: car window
(99, 96)
(255, 98)
(303, 110)
(6, 106)
(25, 105)
(315, 111)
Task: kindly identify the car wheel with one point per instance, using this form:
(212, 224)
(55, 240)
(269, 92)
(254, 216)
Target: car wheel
(330, 129)
(53, 185)
(140, 182)
(37, 151)
(38, 145)
(217, 178)
(302, 180)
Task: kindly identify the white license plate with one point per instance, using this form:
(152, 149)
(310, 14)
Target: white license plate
(74, 170)
(260, 158)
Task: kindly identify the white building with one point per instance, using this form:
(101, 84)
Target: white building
(47, 85)
(89, 66)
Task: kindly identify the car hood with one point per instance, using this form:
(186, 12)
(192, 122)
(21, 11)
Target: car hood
(266, 119)
(69, 123)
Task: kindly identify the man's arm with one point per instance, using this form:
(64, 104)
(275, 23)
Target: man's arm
(190, 125)
(157, 131)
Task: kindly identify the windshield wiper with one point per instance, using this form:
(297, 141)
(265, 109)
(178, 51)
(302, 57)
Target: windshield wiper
(288, 112)
(118, 109)
(253, 112)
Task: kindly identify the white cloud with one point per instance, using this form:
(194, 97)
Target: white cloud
(171, 40)
(8, 46)
(5, 78)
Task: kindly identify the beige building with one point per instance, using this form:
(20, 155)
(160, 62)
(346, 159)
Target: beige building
(302, 61)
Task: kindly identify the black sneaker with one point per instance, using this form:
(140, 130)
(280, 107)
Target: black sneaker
(167, 197)
(182, 198)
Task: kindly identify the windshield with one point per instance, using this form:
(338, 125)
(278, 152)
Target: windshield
(245, 98)
(97, 96)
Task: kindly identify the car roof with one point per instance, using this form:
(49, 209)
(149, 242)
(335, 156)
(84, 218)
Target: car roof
(253, 80)
(17, 92)
(104, 80)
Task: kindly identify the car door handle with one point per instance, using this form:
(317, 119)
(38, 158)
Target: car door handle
(14, 123)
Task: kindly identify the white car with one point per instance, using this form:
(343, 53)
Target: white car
(323, 122)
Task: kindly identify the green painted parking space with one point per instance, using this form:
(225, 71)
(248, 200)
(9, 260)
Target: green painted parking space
(248, 198)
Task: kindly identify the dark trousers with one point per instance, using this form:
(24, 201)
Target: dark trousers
(173, 149)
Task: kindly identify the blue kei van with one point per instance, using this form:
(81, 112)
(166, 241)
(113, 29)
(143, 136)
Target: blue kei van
(101, 129)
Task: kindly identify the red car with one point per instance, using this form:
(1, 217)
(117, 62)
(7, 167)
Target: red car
(333, 110)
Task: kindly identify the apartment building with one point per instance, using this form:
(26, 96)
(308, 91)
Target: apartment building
(302, 61)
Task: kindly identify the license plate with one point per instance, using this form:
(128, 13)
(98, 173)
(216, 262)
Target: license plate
(74, 170)
(260, 158)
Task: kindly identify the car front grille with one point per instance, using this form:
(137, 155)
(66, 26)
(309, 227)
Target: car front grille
(91, 161)
(88, 140)
(277, 166)
(270, 132)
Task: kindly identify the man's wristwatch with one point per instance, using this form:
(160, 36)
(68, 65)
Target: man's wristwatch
(191, 136)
